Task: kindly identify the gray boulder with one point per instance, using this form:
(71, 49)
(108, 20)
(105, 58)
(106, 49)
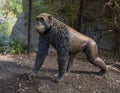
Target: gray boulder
(20, 30)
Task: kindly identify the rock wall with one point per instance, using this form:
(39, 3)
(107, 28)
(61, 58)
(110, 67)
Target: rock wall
(93, 26)
(20, 31)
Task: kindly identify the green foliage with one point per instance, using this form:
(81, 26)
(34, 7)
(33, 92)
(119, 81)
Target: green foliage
(4, 43)
(11, 19)
(15, 6)
(17, 46)
(65, 10)
(9, 9)
(14, 46)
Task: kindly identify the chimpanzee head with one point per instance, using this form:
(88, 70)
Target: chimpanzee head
(44, 22)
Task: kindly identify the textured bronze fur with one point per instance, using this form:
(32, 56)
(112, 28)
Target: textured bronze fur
(67, 41)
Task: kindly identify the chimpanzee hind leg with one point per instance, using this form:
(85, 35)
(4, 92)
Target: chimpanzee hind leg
(63, 54)
(41, 54)
(62, 66)
(70, 63)
(92, 56)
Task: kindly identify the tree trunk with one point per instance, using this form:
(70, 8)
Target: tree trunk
(79, 28)
(29, 25)
(118, 39)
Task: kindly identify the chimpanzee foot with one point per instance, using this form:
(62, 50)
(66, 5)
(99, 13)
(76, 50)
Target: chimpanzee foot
(101, 73)
(31, 76)
(67, 73)
(58, 79)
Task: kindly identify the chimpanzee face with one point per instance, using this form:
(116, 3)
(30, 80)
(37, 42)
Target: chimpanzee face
(43, 23)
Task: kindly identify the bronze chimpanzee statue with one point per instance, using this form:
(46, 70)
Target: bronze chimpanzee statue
(67, 42)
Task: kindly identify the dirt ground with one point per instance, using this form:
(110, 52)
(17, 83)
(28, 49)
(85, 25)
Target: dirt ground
(15, 68)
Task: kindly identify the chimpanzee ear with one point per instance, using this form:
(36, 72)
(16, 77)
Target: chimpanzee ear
(50, 18)
(37, 18)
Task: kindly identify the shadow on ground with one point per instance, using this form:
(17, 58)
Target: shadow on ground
(82, 79)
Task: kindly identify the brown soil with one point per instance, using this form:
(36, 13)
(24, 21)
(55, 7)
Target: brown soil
(14, 70)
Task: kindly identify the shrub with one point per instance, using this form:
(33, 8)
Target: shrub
(14, 46)
(4, 43)
(17, 46)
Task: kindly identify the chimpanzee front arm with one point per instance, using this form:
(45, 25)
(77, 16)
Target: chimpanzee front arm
(41, 54)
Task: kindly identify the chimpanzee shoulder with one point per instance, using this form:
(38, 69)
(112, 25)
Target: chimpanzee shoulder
(60, 34)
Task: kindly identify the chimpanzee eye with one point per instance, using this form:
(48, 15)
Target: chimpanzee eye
(37, 19)
(41, 20)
